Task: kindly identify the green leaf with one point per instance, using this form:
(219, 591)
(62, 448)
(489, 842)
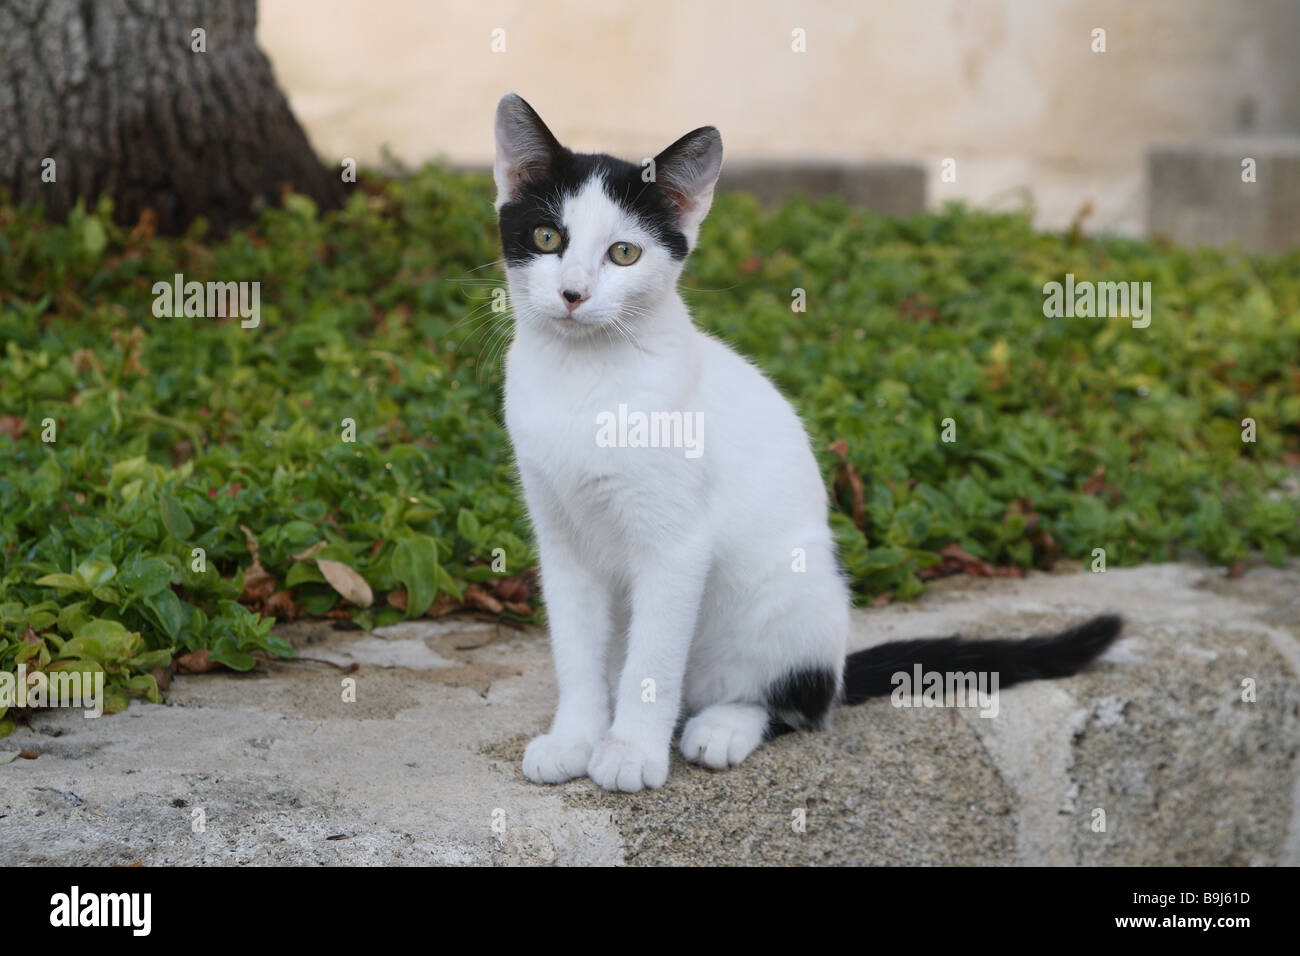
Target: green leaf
(106, 633)
(302, 571)
(143, 685)
(300, 532)
(107, 595)
(166, 607)
(174, 518)
(151, 659)
(131, 490)
(388, 615)
(278, 646)
(85, 648)
(78, 665)
(94, 572)
(145, 577)
(227, 652)
(415, 564)
(72, 617)
(468, 526)
(444, 583)
(93, 237)
(64, 582)
(40, 620)
(319, 602)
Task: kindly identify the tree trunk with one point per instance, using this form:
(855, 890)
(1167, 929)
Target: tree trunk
(116, 95)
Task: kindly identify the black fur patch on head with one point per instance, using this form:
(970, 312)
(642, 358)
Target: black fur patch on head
(538, 202)
(801, 700)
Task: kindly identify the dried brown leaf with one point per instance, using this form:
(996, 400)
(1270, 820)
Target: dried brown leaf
(350, 585)
(195, 662)
(847, 477)
(306, 555)
(13, 426)
(281, 606)
(476, 596)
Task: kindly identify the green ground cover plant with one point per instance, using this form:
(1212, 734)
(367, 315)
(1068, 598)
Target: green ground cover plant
(199, 483)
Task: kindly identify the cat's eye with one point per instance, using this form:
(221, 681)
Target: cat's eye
(624, 253)
(546, 238)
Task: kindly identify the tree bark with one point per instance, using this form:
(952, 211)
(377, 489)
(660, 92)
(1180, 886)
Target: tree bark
(113, 92)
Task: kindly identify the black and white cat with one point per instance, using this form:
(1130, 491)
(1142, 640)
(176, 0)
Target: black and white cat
(686, 559)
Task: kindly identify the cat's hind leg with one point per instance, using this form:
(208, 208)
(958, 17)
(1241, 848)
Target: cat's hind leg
(722, 735)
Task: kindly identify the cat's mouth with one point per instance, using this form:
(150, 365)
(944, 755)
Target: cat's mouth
(572, 322)
(581, 322)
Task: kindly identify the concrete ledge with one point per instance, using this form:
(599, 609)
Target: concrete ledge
(1197, 196)
(423, 767)
(892, 189)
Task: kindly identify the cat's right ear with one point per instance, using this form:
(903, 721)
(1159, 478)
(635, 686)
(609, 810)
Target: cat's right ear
(525, 147)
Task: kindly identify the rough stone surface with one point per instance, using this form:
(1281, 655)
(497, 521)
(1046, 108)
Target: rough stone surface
(892, 189)
(424, 766)
(1198, 198)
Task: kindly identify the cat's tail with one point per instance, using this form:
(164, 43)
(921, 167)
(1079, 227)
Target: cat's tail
(871, 673)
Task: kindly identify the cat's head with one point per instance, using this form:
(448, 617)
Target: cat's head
(590, 240)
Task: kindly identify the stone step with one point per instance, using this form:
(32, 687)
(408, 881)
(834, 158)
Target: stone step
(1201, 194)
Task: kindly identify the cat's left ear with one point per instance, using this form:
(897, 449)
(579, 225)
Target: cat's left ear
(687, 172)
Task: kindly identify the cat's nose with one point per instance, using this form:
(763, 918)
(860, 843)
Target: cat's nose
(573, 297)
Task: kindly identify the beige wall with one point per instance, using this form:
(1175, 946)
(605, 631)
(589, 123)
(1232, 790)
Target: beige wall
(1008, 88)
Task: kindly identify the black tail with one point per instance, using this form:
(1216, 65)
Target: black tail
(870, 673)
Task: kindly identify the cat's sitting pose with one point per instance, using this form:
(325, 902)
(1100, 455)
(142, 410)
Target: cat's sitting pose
(686, 559)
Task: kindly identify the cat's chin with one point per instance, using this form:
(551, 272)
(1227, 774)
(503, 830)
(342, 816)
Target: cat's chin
(571, 326)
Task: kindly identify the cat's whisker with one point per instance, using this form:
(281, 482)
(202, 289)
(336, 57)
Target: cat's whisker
(621, 332)
(485, 335)
(494, 262)
(626, 331)
(498, 337)
(477, 311)
(691, 288)
(478, 321)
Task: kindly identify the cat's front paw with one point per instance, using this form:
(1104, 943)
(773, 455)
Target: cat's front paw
(555, 758)
(623, 765)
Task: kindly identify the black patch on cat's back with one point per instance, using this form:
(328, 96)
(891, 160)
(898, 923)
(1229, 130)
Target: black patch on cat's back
(801, 699)
(539, 203)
